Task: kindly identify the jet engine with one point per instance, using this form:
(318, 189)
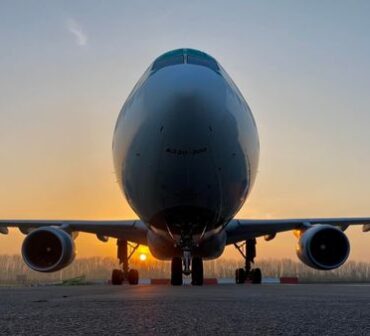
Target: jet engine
(323, 247)
(48, 249)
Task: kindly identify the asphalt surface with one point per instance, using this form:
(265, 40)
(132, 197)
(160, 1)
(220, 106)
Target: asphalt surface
(209, 310)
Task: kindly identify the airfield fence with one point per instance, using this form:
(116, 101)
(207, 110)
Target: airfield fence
(13, 270)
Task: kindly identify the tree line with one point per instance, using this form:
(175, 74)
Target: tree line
(13, 270)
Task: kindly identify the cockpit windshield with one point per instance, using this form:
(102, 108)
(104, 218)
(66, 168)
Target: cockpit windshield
(169, 58)
(185, 56)
(200, 58)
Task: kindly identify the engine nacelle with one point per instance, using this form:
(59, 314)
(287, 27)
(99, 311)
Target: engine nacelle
(323, 247)
(48, 249)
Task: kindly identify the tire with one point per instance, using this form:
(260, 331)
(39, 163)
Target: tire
(197, 271)
(117, 277)
(176, 271)
(240, 276)
(256, 276)
(133, 277)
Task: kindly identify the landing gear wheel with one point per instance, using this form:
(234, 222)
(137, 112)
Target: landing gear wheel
(117, 277)
(240, 276)
(176, 271)
(248, 251)
(123, 255)
(133, 277)
(197, 271)
(256, 276)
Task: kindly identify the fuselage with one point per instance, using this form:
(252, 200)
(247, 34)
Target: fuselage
(185, 147)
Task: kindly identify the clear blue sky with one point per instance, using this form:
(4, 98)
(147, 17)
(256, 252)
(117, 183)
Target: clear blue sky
(66, 68)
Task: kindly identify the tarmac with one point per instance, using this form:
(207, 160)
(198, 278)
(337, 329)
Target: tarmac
(267, 309)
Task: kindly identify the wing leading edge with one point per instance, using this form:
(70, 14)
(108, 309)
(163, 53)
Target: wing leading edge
(136, 231)
(132, 230)
(242, 229)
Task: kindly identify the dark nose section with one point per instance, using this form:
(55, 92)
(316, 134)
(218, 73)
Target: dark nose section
(188, 177)
(186, 166)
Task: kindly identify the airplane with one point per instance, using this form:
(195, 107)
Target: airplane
(185, 151)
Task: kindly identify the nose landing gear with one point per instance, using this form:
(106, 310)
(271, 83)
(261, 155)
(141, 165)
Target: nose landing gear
(187, 265)
(187, 261)
(125, 274)
(248, 251)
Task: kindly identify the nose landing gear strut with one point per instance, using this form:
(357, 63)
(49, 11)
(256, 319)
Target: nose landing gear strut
(187, 265)
(248, 251)
(187, 261)
(123, 255)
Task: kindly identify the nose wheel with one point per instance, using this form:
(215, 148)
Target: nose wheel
(187, 266)
(176, 271)
(197, 271)
(125, 274)
(248, 251)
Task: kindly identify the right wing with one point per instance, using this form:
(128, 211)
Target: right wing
(243, 229)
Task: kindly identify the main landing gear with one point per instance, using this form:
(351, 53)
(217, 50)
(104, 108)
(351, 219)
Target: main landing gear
(248, 251)
(125, 274)
(187, 265)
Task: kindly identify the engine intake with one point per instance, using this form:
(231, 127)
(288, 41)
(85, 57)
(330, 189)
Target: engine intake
(48, 249)
(323, 247)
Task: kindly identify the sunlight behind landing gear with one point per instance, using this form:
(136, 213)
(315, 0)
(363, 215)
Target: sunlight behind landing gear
(143, 257)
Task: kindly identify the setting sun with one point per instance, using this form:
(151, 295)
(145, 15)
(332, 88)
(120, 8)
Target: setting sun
(143, 257)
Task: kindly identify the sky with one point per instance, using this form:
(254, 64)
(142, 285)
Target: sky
(67, 67)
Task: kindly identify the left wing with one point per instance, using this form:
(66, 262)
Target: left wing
(132, 230)
(242, 229)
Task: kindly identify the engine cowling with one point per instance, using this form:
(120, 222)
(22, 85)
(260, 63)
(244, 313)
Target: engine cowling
(323, 247)
(48, 249)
